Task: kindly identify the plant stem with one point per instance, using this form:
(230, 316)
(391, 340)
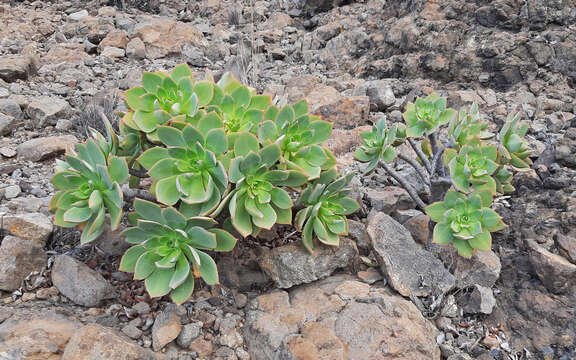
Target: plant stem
(435, 161)
(420, 154)
(413, 194)
(136, 193)
(419, 169)
(433, 143)
(142, 174)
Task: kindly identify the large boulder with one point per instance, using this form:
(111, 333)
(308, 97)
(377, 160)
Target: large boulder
(18, 258)
(79, 283)
(338, 318)
(292, 264)
(411, 270)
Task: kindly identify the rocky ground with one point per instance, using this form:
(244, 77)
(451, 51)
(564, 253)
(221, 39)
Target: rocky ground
(380, 295)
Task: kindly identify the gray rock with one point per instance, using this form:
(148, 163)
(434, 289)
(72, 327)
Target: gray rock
(44, 110)
(380, 94)
(557, 274)
(4, 93)
(567, 246)
(10, 107)
(12, 191)
(166, 327)
(566, 148)
(34, 227)
(113, 52)
(44, 148)
(136, 49)
(389, 199)
(78, 15)
(142, 308)
(410, 269)
(7, 152)
(189, 333)
(234, 274)
(292, 264)
(483, 268)
(7, 124)
(480, 301)
(79, 283)
(18, 258)
(132, 331)
(13, 67)
(64, 125)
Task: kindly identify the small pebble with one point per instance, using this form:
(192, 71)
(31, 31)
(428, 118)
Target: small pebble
(142, 308)
(63, 124)
(28, 297)
(47, 293)
(370, 276)
(240, 300)
(7, 152)
(132, 331)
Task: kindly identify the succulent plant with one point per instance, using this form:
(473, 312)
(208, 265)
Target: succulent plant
(299, 135)
(379, 144)
(426, 115)
(325, 209)
(467, 126)
(169, 250)
(89, 188)
(513, 147)
(209, 147)
(473, 166)
(185, 170)
(239, 106)
(465, 221)
(257, 201)
(166, 97)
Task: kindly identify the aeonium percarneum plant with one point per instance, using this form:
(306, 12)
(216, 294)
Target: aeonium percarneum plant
(193, 157)
(463, 174)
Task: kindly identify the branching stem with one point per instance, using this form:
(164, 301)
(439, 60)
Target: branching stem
(411, 191)
(142, 174)
(436, 160)
(419, 169)
(136, 193)
(420, 154)
(433, 142)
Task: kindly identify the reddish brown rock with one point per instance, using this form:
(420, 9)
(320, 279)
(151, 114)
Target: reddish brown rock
(344, 141)
(115, 38)
(36, 334)
(18, 258)
(163, 36)
(44, 148)
(557, 274)
(95, 342)
(338, 318)
(166, 327)
(418, 227)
